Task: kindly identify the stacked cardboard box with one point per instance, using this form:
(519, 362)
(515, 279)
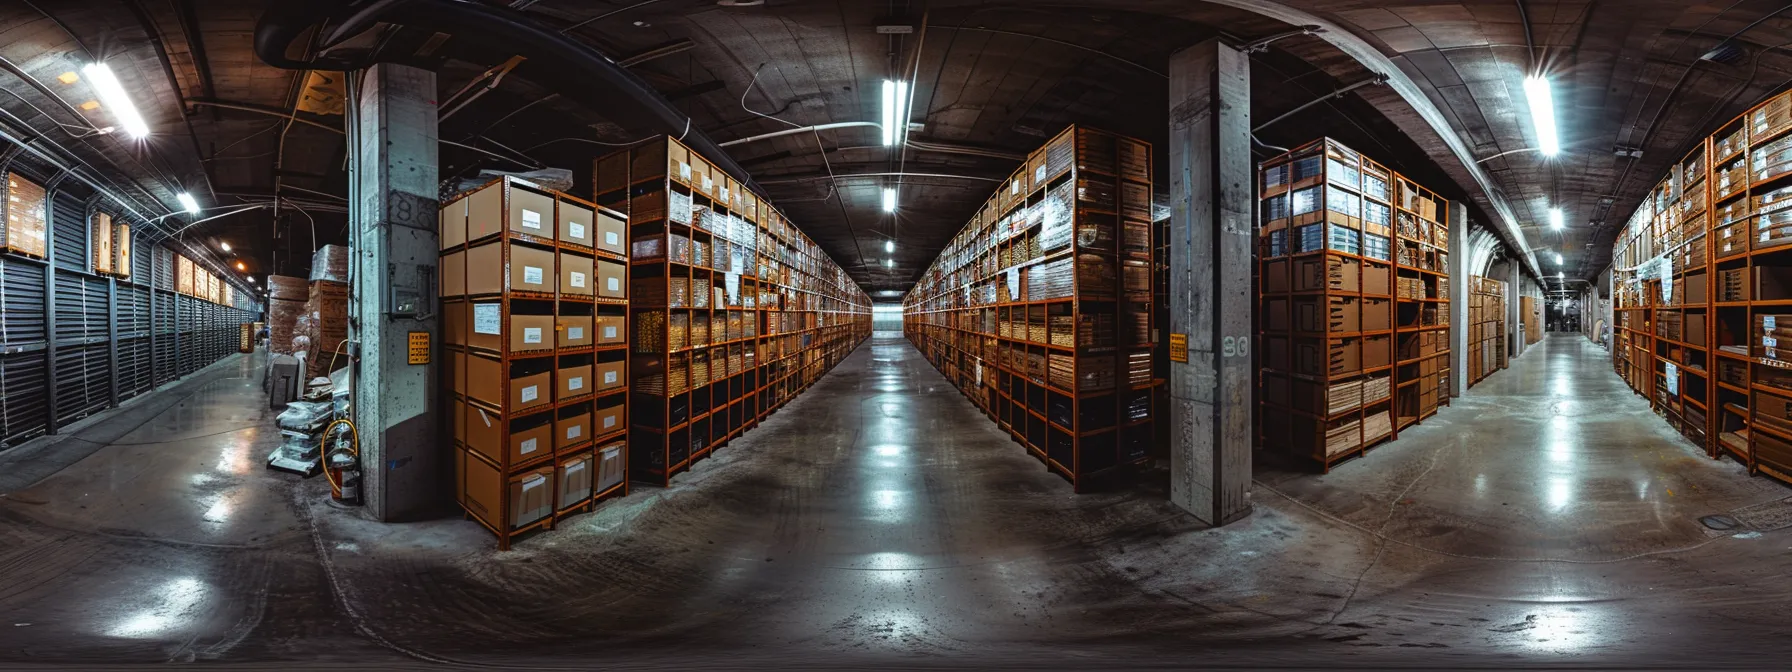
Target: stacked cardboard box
(287, 297)
(326, 308)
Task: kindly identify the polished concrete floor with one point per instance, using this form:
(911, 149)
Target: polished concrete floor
(1546, 518)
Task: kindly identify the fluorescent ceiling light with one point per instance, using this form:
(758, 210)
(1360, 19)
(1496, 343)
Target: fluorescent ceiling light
(114, 96)
(895, 102)
(1555, 219)
(889, 199)
(1543, 114)
(1558, 258)
(191, 206)
(889, 246)
(224, 246)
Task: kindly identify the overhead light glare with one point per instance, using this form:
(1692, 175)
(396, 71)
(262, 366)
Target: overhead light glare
(889, 246)
(1555, 219)
(113, 93)
(889, 263)
(889, 199)
(191, 206)
(224, 246)
(1558, 258)
(1543, 114)
(895, 101)
(241, 267)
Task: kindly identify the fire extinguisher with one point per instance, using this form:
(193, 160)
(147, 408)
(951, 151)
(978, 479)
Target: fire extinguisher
(344, 465)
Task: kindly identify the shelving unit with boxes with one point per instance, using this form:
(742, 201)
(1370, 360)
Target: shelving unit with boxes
(1487, 327)
(735, 311)
(1354, 320)
(1703, 285)
(1041, 309)
(534, 323)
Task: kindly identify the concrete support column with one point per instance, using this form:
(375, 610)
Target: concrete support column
(392, 212)
(1212, 198)
(1459, 265)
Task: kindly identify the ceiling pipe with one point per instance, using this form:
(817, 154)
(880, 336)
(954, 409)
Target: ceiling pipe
(284, 115)
(812, 178)
(572, 66)
(1374, 79)
(923, 146)
(801, 129)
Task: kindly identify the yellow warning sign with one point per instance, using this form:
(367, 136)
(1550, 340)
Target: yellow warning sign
(419, 347)
(1179, 348)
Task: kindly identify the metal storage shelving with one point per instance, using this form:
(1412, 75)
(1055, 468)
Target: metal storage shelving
(1702, 280)
(1354, 322)
(1041, 310)
(536, 350)
(735, 311)
(1487, 327)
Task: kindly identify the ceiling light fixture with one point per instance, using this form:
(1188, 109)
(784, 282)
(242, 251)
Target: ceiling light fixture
(113, 93)
(889, 263)
(1543, 114)
(889, 246)
(241, 267)
(224, 246)
(1558, 258)
(191, 206)
(1555, 219)
(889, 199)
(895, 100)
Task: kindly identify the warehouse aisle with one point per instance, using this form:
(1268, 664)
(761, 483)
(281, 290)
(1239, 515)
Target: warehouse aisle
(879, 518)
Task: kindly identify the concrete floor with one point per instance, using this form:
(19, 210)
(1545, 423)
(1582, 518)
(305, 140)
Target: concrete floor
(1545, 518)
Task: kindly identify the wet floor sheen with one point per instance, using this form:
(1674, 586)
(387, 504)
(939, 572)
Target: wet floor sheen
(1546, 517)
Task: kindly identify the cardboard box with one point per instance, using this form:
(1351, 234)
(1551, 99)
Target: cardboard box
(575, 477)
(612, 233)
(451, 224)
(485, 212)
(479, 430)
(531, 497)
(484, 380)
(607, 420)
(1773, 283)
(611, 329)
(328, 327)
(1378, 279)
(571, 430)
(453, 272)
(575, 275)
(531, 332)
(479, 486)
(612, 466)
(575, 224)
(283, 317)
(531, 212)
(531, 270)
(608, 375)
(612, 280)
(1377, 315)
(530, 391)
(1378, 351)
(288, 288)
(330, 263)
(574, 330)
(573, 381)
(1343, 314)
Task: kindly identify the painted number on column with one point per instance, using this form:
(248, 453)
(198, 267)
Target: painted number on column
(1235, 346)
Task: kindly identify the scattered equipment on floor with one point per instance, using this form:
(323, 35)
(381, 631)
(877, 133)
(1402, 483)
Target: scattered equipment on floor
(345, 461)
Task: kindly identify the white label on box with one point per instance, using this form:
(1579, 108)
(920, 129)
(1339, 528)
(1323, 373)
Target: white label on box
(611, 239)
(609, 333)
(578, 279)
(684, 171)
(724, 194)
(609, 377)
(609, 421)
(1764, 236)
(575, 230)
(1769, 342)
(575, 383)
(488, 318)
(708, 184)
(615, 284)
(1014, 188)
(531, 219)
(528, 447)
(531, 275)
(1039, 174)
(1769, 320)
(532, 334)
(529, 394)
(574, 431)
(575, 333)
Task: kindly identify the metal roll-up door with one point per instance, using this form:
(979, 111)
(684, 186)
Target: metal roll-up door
(167, 357)
(190, 336)
(83, 364)
(68, 229)
(133, 341)
(24, 409)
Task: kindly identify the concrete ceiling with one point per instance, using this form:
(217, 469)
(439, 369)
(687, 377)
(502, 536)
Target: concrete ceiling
(990, 75)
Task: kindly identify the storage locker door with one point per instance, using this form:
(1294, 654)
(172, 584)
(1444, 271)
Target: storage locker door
(23, 390)
(68, 230)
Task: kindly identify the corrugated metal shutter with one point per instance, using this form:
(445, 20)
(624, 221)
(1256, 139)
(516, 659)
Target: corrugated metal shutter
(83, 366)
(68, 230)
(167, 358)
(133, 340)
(24, 407)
